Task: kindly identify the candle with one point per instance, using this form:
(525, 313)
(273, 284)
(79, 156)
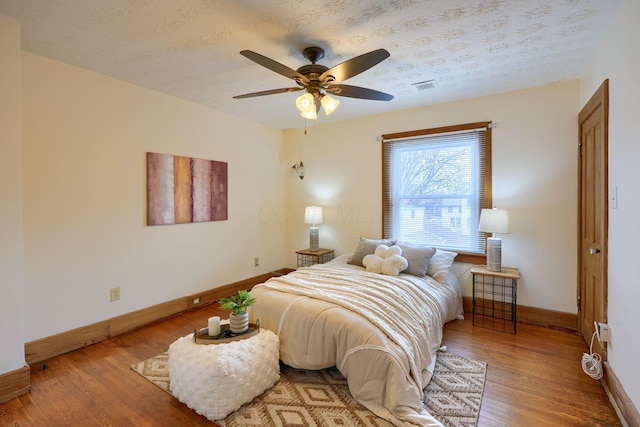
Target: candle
(214, 326)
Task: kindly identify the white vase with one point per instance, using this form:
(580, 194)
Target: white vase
(239, 323)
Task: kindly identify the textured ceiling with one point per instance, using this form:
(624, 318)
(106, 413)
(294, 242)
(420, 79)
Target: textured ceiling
(190, 48)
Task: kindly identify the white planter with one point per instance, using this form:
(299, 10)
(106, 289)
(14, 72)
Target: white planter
(239, 323)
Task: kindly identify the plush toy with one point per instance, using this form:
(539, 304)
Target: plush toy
(386, 260)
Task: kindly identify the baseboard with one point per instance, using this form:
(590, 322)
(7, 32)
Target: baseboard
(537, 316)
(626, 410)
(54, 345)
(14, 383)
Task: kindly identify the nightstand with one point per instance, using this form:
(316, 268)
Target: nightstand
(307, 257)
(495, 298)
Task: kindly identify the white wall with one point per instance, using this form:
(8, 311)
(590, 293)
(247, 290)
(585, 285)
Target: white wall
(11, 256)
(618, 59)
(85, 137)
(534, 177)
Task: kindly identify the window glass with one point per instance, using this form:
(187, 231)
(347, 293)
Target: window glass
(435, 185)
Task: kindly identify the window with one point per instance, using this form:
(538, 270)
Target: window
(435, 182)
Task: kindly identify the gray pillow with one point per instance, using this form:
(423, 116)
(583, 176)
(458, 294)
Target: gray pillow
(418, 258)
(366, 247)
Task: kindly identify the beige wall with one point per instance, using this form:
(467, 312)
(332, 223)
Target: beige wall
(618, 59)
(534, 177)
(85, 137)
(11, 257)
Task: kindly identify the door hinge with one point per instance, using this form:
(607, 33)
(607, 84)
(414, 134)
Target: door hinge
(579, 301)
(579, 150)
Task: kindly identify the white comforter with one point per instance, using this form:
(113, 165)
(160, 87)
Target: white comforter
(381, 332)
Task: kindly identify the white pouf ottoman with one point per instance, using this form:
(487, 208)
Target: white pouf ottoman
(216, 379)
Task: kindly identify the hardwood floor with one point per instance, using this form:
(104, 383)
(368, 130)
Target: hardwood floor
(534, 378)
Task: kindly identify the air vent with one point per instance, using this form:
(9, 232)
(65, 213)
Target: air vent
(427, 84)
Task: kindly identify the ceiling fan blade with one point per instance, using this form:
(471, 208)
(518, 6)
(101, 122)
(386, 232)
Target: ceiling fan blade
(358, 92)
(355, 66)
(268, 92)
(274, 66)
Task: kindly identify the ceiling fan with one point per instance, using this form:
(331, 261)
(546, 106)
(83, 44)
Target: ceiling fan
(320, 81)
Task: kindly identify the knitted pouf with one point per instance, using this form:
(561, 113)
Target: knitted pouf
(216, 379)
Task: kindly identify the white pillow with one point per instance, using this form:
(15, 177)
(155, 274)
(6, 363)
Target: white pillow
(385, 260)
(440, 263)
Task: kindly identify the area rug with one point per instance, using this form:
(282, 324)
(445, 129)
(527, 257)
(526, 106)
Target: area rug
(303, 397)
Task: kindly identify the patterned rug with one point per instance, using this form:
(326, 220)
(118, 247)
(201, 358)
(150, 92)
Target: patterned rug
(306, 398)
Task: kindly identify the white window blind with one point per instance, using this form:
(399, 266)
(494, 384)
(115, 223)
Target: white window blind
(434, 188)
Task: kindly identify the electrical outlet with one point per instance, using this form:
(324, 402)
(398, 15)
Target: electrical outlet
(114, 294)
(256, 262)
(196, 300)
(603, 331)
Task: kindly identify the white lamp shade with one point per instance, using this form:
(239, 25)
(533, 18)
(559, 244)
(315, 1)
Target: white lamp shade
(307, 105)
(313, 215)
(494, 221)
(311, 115)
(329, 104)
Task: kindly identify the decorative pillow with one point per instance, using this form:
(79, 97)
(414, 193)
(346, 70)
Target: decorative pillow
(418, 258)
(393, 265)
(366, 247)
(384, 251)
(386, 260)
(373, 263)
(440, 263)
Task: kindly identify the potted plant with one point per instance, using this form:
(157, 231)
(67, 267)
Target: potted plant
(238, 304)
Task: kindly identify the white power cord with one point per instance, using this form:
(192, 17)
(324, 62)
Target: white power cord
(592, 363)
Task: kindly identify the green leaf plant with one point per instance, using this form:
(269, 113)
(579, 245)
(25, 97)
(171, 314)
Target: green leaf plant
(237, 303)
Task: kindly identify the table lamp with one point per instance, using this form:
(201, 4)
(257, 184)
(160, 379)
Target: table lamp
(313, 216)
(494, 221)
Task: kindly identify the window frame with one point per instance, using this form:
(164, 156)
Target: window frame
(485, 203)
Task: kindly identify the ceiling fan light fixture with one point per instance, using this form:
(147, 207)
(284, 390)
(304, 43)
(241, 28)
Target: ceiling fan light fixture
(306, 103)
(329, 104)
(311, 115)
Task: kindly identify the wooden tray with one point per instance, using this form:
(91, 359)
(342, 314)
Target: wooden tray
(202, 336)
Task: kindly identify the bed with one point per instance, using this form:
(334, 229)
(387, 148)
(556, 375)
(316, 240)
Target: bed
(381, 332)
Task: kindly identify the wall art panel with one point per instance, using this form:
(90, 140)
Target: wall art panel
(183, 189)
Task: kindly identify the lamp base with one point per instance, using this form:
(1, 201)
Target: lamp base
(314, 239)
(494, 254)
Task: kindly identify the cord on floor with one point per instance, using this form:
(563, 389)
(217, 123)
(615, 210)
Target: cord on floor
(592, 362)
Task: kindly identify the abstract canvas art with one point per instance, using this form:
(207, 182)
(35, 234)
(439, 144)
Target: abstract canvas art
(183, 189)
